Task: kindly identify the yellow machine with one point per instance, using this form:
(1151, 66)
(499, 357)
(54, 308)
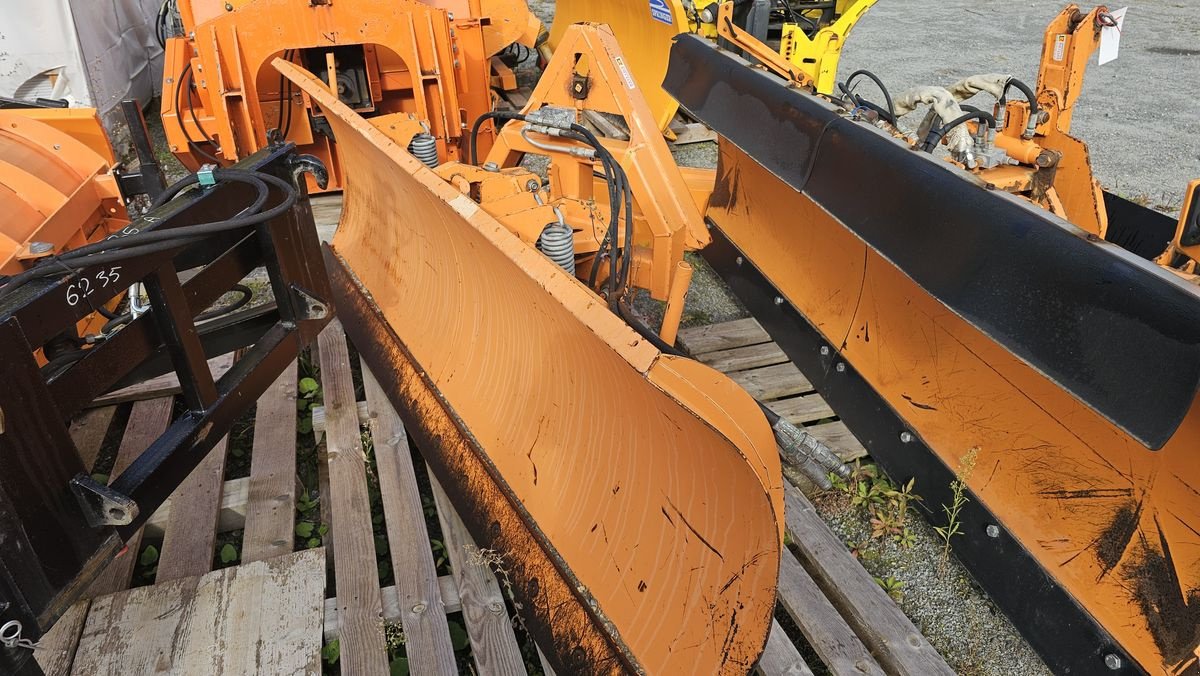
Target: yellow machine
(385, 60)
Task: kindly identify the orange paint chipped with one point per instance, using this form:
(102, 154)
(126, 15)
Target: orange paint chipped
(652, 481)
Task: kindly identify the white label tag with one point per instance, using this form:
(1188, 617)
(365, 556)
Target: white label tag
(1110, 38)
(1060, 47)
(624, 71)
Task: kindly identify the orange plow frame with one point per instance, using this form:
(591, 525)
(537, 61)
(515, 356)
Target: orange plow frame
(630, 493)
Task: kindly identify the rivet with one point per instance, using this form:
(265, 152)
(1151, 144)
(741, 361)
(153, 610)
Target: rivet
(906, 437)
(992, 530)
(841, 367)
(229, 7)
(57, 146)
(1113, 661)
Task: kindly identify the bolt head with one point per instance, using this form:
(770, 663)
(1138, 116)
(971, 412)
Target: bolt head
(778, 300)
(824, 350)
(739, 260)
(841, 367)
(992, 530)
(906, 437)
(40, 247)
(1113, 661)
(229, 7)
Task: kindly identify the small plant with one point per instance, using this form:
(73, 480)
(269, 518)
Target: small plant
(885, 504)
(495, 560)
(892, 586)
(953, 511)
(308, 394)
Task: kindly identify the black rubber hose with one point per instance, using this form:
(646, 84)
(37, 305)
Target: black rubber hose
(1027, 91)
(936, 135)
(180, 87)
(493, 115)
(887, 96)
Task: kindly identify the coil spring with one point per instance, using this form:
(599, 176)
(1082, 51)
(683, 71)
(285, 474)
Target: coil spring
(424, 147)
(557, 242)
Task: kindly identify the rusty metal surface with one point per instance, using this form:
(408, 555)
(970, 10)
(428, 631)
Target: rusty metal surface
(635, 494)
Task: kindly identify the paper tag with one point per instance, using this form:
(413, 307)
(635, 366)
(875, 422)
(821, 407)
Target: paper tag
(1110, 38)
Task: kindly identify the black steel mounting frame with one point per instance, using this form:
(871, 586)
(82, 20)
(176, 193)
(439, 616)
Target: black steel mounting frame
(58, 527)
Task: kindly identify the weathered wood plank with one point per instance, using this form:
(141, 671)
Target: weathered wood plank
(235, 499)
(723, 336)
(360, 610)
(147, 421)
(802, 410)
(272, 484)
(693, 132)
(606, 126)
(165, 385)
(88, 431)
(423, 615)
(828, 634)
(259, 618)
(56, 649)
(839, 437)
(742, 358)
(780, 658)
(447, 588)
(493, 644)
(773, 382)
(874, 616)
(191, 533)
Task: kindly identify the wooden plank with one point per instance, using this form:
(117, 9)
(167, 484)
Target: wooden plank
(447, 589)
(780, 658)
(874, 616)
(839, 437)
(56, 649)
(802, 410)
(743, 358)
(235, 499)
(517, 97)
(833, 640)
(726, 335)
(318, 417)
(605, 125)
(423, 615)
(191, 533)
(258, 618)
(355, 570)
(147, 421)
(88, 432)
(773, 382)
(162, 386)
(270, 515)
(693, 132)
(327, 211)
(493, 644)
(546, 669)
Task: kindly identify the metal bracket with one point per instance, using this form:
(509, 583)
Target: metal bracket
(311, 306)
(101, 505)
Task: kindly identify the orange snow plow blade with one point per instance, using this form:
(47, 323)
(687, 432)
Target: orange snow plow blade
(632, 495)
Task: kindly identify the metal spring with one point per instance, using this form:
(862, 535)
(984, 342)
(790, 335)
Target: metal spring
(557, 242)
(424, 147)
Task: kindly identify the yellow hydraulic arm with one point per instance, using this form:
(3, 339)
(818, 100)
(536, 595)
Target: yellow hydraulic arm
(818, 55)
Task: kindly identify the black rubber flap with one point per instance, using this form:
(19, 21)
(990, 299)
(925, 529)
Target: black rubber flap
(1114, 330)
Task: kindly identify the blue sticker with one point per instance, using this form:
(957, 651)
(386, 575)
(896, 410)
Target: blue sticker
(660, 11)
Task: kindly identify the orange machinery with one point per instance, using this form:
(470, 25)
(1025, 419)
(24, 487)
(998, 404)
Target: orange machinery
(634, 494)
(432, 60)
(998, 321)
(58, 189)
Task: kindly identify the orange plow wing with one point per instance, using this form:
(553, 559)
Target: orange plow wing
(635, 497)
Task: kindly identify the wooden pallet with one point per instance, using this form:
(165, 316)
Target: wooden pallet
(270, 614)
